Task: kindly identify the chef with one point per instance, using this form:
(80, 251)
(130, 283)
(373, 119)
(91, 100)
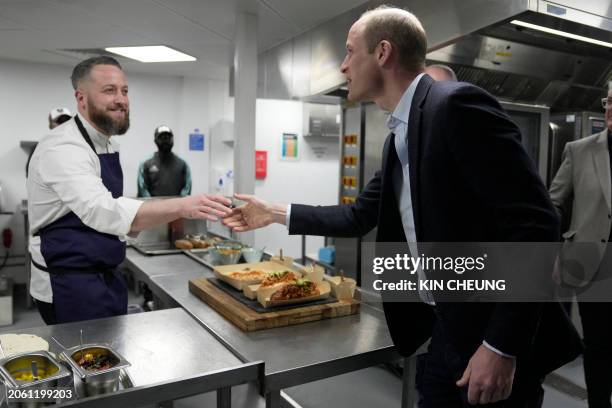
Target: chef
(78, 216)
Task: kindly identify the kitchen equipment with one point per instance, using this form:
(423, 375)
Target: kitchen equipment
(96, 380)
(252, 255)
(37, 369)
(228, 252)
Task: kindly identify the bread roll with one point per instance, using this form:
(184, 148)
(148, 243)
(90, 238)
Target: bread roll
(183, 244)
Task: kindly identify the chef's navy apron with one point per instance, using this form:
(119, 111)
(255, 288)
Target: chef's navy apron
(82, 262)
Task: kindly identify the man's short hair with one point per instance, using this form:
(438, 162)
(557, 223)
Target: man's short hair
(83, 68)
(448, 71)
(402, 29)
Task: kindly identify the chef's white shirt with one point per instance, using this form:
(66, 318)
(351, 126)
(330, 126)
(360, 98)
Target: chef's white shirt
(65, 176)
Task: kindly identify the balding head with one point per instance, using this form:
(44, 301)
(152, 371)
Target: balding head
(441, 72)
(400, 28)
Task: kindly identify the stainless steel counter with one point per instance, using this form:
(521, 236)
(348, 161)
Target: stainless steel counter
(293, 355)
(166, 348)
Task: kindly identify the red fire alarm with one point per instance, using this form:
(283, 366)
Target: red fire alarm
(261, 164)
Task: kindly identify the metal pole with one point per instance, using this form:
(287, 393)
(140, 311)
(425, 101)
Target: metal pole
(224, 397)
(273, 399)
(303, 249)
(408, 383)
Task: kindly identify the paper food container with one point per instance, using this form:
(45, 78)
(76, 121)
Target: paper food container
(264, 297)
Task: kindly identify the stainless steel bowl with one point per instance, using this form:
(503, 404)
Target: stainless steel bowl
(17, 373)
(96, 381)
(227, 253)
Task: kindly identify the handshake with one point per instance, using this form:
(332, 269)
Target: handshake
(253, 214)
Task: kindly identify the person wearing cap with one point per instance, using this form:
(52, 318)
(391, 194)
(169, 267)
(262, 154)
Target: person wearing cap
(58, 116)
(79, 218)
(164, 174)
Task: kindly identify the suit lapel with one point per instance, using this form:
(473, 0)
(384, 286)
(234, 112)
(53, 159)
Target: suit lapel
(601, 158)
(389, 158)
(414, 142)
(389, 230)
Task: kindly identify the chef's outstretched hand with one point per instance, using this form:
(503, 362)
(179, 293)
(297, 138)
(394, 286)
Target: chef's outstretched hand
(255, 213)
(206, 206)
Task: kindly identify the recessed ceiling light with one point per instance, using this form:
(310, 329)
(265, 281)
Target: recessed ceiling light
(561, 33)
(152, 53)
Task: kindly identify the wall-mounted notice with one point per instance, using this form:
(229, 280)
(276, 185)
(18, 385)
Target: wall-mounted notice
(196, 140)
(289, 146)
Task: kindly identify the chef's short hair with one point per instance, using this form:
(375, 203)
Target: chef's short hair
(83, 68)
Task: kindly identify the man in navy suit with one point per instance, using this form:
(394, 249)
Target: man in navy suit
(453, 170)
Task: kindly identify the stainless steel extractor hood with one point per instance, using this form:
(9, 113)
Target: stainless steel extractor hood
(477, 38)
(522, 64)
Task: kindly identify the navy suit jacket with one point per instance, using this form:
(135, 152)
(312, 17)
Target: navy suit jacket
(471, 181)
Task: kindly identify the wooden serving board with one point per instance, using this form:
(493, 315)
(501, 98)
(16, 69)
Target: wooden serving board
(249, 320)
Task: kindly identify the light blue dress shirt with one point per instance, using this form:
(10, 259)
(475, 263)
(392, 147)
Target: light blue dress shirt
(398, 123)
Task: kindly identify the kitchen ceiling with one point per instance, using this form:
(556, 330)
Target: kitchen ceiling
(64, 31)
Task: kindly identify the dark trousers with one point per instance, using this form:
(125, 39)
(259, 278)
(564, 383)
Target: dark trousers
(595, 307)
(440, 368)
(597, 328)
(47, 312)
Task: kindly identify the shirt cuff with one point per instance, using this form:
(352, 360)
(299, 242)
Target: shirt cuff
(129, 208)
(288, 216)
(496, 351)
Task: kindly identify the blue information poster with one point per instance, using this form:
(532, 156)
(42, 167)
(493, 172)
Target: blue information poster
(196, 140)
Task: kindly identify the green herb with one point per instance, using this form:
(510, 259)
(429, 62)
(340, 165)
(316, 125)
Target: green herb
(302, 282)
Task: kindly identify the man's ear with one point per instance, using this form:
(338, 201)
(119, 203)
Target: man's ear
(79, 96)
(384, 49)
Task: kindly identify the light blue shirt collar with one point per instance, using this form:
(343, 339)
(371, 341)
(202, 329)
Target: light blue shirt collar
(402, 110)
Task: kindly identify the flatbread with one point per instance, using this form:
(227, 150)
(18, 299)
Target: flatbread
(22, 343)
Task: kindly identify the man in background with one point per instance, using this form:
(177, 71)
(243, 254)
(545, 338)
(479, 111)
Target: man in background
(58, 116)
(583, 183)
(164, 174)
(441, 72)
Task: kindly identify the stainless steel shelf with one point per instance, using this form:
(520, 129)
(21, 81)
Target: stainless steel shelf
(293, 355)
(171, 357)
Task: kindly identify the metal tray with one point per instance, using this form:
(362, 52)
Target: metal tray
(157, 248)
(203, 256)
(125, 382)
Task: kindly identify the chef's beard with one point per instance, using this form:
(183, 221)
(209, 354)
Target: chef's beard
(106, 123)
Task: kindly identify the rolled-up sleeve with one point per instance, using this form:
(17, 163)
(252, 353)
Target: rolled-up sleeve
(71, 171)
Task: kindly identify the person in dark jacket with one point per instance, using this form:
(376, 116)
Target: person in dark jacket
(453, 170)
(164, 174)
